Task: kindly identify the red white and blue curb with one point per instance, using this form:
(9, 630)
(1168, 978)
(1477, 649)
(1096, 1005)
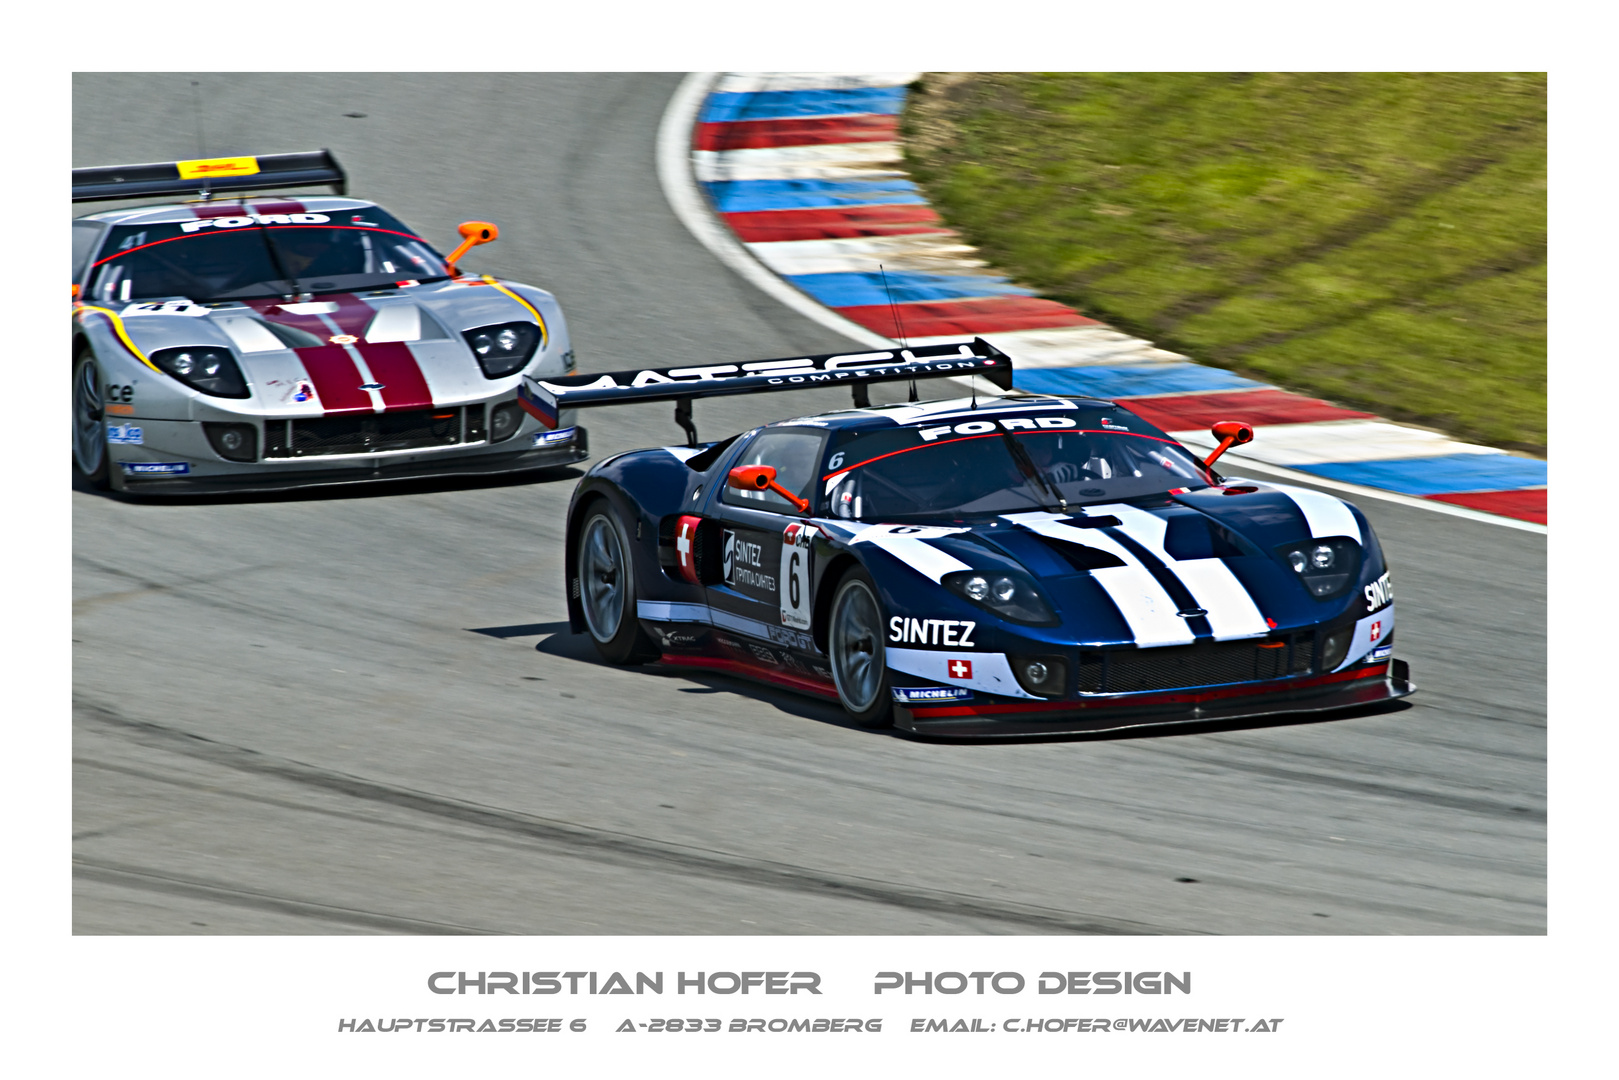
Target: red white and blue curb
(795, 180)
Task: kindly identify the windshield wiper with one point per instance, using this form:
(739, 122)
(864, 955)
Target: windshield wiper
(1027, 467)
(275, 259)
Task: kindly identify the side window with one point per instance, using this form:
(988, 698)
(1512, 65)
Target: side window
(794, 454)
(85, 235)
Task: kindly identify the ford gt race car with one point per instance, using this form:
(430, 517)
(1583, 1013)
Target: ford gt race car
(234, 342)
(979, 567)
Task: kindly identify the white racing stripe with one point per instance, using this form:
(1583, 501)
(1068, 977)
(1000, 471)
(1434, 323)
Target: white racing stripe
(1325, 514)
(909, 544)
(1146, 607)
(1232, 611)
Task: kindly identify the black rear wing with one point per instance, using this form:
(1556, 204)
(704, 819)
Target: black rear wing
(210, 176)
(544, 397)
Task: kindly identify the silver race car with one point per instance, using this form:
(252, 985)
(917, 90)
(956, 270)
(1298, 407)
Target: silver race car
(231, 342)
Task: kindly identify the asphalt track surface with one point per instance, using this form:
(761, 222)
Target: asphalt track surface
(362, 712)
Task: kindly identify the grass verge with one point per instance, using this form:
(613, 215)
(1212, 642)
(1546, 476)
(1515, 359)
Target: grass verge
(1374, 238)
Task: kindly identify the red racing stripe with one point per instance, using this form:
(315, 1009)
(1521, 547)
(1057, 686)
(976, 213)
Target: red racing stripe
(1184, 412)
(796, 131)
(394, 366)
(986, 315)
(337, 381)
(1527, 505)
(832, 223)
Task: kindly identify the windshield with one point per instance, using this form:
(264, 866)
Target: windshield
(231, 258)
(1005, 465)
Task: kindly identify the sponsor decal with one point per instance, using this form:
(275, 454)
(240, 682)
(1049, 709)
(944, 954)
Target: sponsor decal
(343, 339)
(128, 434)
(1375, 631)
(543, 438)
(116, 392)
(158, 468)
(744, 565)
(951, 633)
(253, 219)
(763, 654)
(165, 307)
(1109, 422)
(1379, 593)
(372, 386)
(302, 391)
(959, 669)
(797, 548)
(905, 695)
(793, 639)
(203, 168)
(674, 638)
(1009, 423)
(121, 410)
(1382, 652)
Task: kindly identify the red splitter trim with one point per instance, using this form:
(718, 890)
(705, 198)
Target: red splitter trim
(761, 672)
(923, 713)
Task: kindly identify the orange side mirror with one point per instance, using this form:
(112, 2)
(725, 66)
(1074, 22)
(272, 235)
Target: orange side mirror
(1230, 433)
(761, 478)
(75, 290)
(472, 233)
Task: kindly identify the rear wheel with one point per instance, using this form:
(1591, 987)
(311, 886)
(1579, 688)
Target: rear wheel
(855, 639)
(606, 568)
(89, 426)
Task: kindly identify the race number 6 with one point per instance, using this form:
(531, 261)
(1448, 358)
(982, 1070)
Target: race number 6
(795, 577)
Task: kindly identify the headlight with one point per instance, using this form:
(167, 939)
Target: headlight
(208, 368)
(1327, 567)
(1008, 593)
(503, 349)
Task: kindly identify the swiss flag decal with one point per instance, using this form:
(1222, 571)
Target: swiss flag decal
(1377, 630)
(686, 547)
(960, 669)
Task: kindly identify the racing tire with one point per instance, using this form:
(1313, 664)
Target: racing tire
(91, 461)
(855, 647)
(605, 564)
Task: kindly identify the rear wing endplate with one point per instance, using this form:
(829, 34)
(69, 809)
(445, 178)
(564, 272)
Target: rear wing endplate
(544, 398)
(210, 176)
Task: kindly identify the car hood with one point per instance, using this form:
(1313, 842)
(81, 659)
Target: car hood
(1136, 571)
(297, 357)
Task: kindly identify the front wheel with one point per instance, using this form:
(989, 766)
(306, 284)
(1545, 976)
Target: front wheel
(89, 427)
(606, 566)
(856, 645)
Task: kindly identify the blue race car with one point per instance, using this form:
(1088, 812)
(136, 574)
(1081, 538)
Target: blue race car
(990, 566)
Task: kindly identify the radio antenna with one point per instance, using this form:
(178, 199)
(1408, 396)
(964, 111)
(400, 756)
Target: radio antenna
(899, 327)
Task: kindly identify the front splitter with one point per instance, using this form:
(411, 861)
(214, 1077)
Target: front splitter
(380, 471)
(1098, 716)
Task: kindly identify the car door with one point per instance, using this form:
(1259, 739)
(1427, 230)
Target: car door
(764, 591)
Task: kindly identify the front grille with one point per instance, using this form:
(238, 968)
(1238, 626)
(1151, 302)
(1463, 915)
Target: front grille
(371, 433)
(1207, 663)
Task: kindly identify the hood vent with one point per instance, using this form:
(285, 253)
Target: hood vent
(1081, 557)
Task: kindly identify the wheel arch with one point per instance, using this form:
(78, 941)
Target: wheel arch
(830, 577)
